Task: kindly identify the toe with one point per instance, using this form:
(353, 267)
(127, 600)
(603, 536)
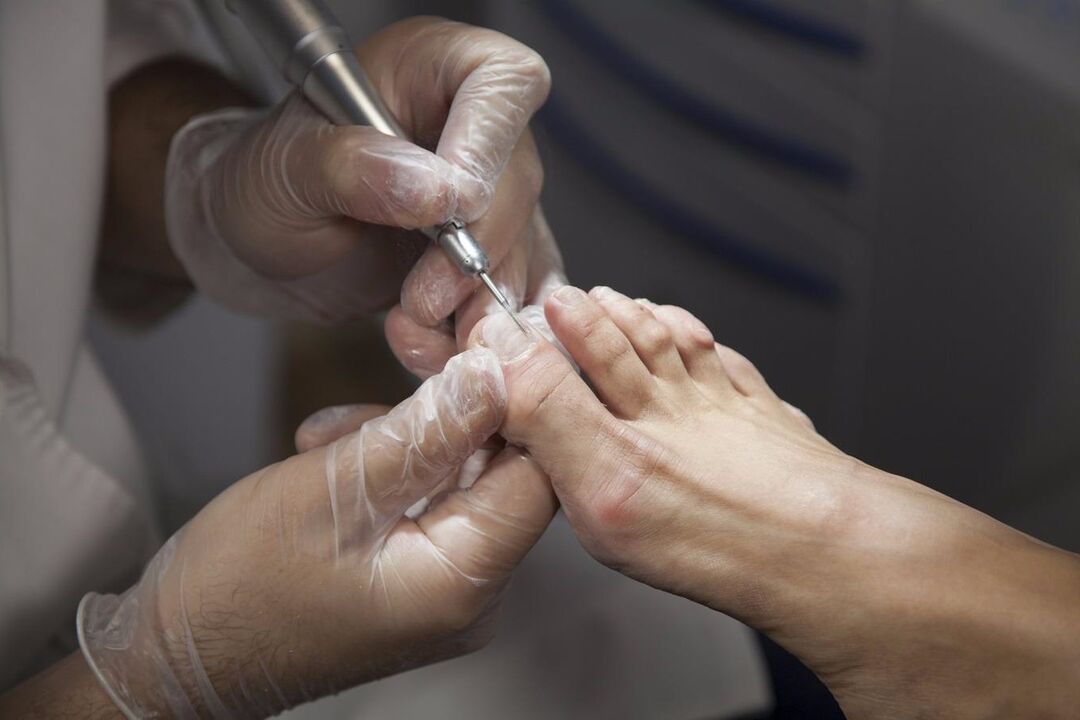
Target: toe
(698, 350)
(553, 414)
(652, 339)
(602, 350)
(598, 464)
(746, 377)
(549, 407)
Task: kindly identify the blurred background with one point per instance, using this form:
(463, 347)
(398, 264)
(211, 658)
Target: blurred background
(876, 201)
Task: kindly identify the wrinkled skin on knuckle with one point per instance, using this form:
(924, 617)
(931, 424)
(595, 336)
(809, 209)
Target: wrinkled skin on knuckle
(533, 384)
(596, 335)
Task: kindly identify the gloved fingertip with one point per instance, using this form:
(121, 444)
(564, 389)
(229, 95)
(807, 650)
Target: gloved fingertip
(327, 425)
(310, 431)
(423, 351)
(327, 416)
(419, 363)
(476, 334)
(474, 194)
(477, 362)
(500, 333)
(433, 288)
(472, 389)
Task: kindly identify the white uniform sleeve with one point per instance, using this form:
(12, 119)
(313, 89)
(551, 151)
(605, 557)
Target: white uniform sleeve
(142, 31)
(65, 526)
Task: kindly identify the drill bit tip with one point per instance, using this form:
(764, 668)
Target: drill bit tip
(501, 299)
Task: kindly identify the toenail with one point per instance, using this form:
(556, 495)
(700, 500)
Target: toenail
(501, 334)
(647, 303)
(603, 291)
(569, 295)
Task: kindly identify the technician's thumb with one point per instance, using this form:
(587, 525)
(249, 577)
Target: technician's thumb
(400, 458)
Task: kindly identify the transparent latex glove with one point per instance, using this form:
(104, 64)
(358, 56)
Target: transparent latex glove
(280, 213)
(306, 578)
(532, 270)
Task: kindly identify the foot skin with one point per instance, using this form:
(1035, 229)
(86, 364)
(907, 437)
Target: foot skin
(672, 426)
(680, 467)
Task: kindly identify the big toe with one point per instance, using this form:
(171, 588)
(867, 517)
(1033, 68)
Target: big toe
(550, 409)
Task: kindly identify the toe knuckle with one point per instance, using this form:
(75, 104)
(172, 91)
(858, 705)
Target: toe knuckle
(598, 335)
(542, 383)
(592, 327)
(655, 337)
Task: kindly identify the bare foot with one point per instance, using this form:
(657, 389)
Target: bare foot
(680, 467)
(672, 415)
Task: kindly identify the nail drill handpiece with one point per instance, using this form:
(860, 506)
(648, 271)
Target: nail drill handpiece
(303, 38)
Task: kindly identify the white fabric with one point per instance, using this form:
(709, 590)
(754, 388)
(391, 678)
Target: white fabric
(74, 509)
(66, 526)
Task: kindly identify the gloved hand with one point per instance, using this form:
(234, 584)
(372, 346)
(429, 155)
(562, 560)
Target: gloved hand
(530, 273)
(306, 578)
(281, 213)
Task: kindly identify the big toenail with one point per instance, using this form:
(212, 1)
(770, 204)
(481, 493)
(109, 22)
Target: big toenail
(569, 295)
(501, 334)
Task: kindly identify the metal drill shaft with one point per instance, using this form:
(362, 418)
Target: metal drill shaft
(501, 299)
(463, 250)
